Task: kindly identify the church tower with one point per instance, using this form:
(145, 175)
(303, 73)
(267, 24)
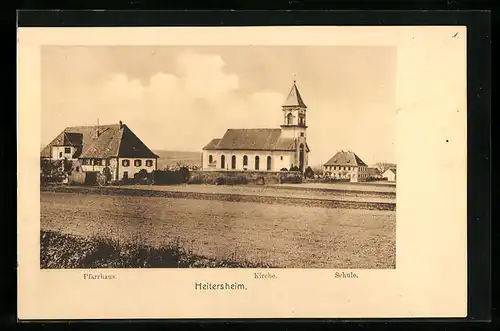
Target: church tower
(294, 125)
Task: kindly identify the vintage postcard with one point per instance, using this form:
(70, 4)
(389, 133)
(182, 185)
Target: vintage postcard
(237, 172)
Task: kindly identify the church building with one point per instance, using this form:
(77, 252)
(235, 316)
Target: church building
(264, 149)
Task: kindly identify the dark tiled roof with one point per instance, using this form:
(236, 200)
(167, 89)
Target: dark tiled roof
(252, 139)
(345, 158)
(294, 98)
(113, 141)
(212, 144)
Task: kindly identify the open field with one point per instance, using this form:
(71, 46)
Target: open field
(277, 234)
(231, 194)
(372, 187)
(275, 191)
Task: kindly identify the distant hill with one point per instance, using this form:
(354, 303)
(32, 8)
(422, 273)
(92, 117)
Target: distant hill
(172, 158)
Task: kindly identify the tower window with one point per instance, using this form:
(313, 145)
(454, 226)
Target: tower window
(289, 119)
(302, 134)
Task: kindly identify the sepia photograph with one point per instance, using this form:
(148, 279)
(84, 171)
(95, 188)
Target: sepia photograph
(248, 172)
(227, 156)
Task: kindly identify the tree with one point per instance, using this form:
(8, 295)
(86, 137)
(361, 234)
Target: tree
(185, 174)
(294, 168)
(309, 173)
(107, 174)
(383, 166)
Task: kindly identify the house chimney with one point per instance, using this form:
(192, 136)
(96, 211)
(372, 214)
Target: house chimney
(97, 132)
(121, 124)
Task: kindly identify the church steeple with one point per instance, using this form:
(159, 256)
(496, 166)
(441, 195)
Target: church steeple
(294, 109)
(294, 98)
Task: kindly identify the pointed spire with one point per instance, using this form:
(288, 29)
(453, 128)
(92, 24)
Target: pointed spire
(294, 98)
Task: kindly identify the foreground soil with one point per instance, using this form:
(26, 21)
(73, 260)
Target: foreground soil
(277, 235)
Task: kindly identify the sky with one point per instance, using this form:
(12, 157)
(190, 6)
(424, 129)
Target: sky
(179, 97)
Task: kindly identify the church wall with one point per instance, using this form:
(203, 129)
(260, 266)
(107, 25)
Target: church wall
(280, 159)
(252, 177)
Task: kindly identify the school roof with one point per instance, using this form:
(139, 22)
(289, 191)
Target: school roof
(253, 139)
(104, 141)
(345, 158)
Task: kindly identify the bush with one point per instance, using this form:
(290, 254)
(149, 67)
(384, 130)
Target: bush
(170, 177)
(294, 168)
(283, 169)
(309, 173)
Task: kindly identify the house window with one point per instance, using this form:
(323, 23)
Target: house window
(245, 160)
(257, 162)
(125, 174)
(268, 163)
(222, 162)
(137, 163)
(108, 162)
(281, 158)
(125, 163)
(149, 163)
(233, 162)
(77, 168)
(210, 159)
(85, 161)
(60, 154)
(98, 162)
(67, 150)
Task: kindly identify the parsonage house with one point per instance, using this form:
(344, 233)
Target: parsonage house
(96, 148)
(264, 149)
(346, 165)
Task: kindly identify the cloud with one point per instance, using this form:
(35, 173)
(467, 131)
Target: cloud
(182, 111)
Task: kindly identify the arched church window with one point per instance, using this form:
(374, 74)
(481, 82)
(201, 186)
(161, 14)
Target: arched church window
(233, 162)
(289, 119)
(257, 162)
(268, 163)
(223, 161)
(245, 160)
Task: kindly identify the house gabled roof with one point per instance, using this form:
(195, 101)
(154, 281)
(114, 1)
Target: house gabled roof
(115, 140)
(294, 98)
(345, 158)
(253, 139)
(393, 170)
